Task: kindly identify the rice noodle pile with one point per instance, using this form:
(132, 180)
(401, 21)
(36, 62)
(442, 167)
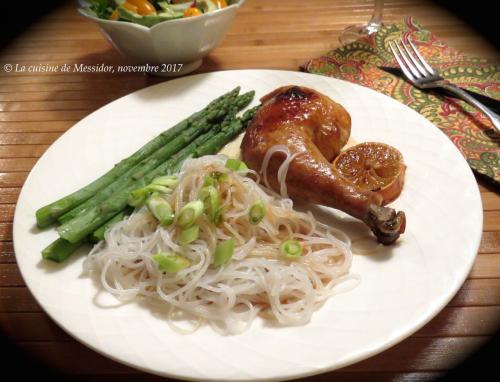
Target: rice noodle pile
(257, 281)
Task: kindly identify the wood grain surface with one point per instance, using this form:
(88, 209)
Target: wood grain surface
(36, 108)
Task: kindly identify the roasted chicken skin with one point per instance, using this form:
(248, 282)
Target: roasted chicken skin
(311, 124)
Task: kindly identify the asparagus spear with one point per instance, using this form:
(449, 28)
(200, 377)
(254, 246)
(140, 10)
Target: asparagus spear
(98, 234)
(49, 213)
(82, 225)
(235, 127)
(161, 155)
(147, 164)
(60, 250)
(248, 115)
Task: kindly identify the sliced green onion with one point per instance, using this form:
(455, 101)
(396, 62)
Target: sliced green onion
(223, 177)
(189, 235)
(158, 188)
(209, 181)
(166, 181)
(211, 200)
(190, 213)
(214, 178)
(291, 249)
(218, 215)
(161, 209)
(168, 262)
(257, 212)
(223, 252)
(138, 197)
(236, 164)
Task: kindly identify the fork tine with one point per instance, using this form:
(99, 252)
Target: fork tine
(422, 60)
(401, 64)
(419, 67)
(407, 61)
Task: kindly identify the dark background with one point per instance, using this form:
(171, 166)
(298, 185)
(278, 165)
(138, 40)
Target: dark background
(17, 16)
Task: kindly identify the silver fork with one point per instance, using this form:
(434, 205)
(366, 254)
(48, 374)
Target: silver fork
(423, 76)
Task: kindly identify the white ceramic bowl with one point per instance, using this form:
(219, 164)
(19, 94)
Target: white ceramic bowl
(169, 43)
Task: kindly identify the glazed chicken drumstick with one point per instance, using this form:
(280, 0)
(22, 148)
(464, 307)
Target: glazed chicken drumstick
(316, 128)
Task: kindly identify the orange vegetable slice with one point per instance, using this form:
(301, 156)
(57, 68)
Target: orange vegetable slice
(130, 7)
(192, 11)
(114, 16)
(373, 166)
(144, 7)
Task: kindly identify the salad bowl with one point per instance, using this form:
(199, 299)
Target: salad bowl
(170, 48)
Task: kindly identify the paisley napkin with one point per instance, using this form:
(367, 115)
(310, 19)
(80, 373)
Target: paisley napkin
(368, 62)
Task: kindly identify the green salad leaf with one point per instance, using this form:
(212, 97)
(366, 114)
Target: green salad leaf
(101, 8)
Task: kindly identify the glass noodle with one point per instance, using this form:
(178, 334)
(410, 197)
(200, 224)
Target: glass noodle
(257, 280)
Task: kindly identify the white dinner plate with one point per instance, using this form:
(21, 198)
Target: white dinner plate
(402, 286)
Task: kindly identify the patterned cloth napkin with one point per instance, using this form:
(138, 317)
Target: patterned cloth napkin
(362, 62)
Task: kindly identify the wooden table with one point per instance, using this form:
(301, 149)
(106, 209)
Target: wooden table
(36, 108)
